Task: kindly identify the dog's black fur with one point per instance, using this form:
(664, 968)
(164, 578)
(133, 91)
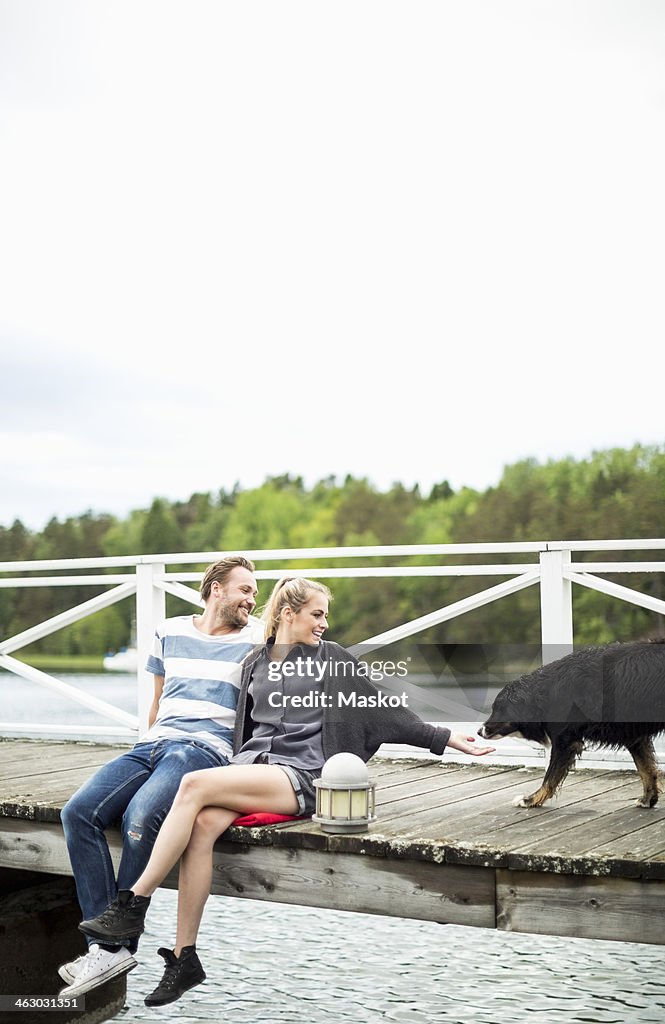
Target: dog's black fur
(611, 696)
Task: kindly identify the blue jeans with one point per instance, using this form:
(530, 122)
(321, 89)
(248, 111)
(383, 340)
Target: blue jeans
(138, 788)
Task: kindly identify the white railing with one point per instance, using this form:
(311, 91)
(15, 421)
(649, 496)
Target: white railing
(549, 564)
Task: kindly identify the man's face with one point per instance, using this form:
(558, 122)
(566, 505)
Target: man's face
(236, 599)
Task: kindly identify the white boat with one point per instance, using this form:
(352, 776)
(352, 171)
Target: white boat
(124, 660)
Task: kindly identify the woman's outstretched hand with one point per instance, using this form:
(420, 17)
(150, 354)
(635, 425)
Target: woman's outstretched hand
(467, 744)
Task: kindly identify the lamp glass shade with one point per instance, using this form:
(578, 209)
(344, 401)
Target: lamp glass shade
(344, 795)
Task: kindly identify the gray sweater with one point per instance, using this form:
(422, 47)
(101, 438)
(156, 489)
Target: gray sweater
(358, 729)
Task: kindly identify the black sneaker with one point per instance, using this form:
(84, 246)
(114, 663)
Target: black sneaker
(181, 973)
(121, 921)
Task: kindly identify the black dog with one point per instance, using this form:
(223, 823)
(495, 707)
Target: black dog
(612, 696)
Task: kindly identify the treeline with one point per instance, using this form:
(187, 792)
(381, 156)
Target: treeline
(611, 494)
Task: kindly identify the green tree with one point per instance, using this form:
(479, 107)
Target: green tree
(263, 518)
(124, 536)
(161, 532)
(611, 493)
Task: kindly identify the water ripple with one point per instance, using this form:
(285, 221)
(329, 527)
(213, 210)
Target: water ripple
(272, 964)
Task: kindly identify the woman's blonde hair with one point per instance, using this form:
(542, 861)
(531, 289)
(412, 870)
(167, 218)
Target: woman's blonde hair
(293, 592)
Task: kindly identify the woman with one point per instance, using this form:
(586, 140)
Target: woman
(280, 747)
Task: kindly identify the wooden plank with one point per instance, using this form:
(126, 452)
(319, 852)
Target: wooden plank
(654, 866)
(420, 831)
(383, 771)
(447, 789)
(427, 892)
(42, 785)
(429, 785)
(26, 754)
(31, 846)
(592, 908)
(464, 832)
(412, 785)
(616, 822)
(510, 828)
(40, 767)
(12, 748)
(42, 806)
(527, 901)
(428, 811)
(437, 791)
(582, 791)
(309, 836)
(446, 803)
(635, 852)
(558, 848)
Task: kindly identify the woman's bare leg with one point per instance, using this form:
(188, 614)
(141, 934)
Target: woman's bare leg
(238, 788)
(196, 873)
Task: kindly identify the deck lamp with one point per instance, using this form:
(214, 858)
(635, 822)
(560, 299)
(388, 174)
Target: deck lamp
(344, 795)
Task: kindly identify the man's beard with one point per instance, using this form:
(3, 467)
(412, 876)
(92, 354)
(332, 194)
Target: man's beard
(229, 614)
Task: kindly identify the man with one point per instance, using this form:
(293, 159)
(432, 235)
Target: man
(196, 664)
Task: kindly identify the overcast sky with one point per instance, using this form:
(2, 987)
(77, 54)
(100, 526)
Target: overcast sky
(406, 240)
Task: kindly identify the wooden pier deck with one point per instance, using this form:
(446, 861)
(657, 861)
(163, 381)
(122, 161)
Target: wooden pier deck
(447, 846)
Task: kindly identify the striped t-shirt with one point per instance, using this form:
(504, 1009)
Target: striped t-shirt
(201, 681)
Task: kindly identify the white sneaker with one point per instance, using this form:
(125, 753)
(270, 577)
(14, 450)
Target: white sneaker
(97, 967)
(71, 970)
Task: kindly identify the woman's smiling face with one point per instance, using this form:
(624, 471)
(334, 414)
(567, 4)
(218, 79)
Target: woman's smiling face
(309, 624)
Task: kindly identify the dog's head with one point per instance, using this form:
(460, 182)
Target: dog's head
(514, 713)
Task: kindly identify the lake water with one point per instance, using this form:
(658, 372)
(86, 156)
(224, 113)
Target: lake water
(268, 963)
(294, 965)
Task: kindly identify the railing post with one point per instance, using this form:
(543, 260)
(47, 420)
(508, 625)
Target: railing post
(150, 609)
(556, 606)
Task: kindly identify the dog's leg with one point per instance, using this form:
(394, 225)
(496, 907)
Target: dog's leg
(562, 758)
(644, 756)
